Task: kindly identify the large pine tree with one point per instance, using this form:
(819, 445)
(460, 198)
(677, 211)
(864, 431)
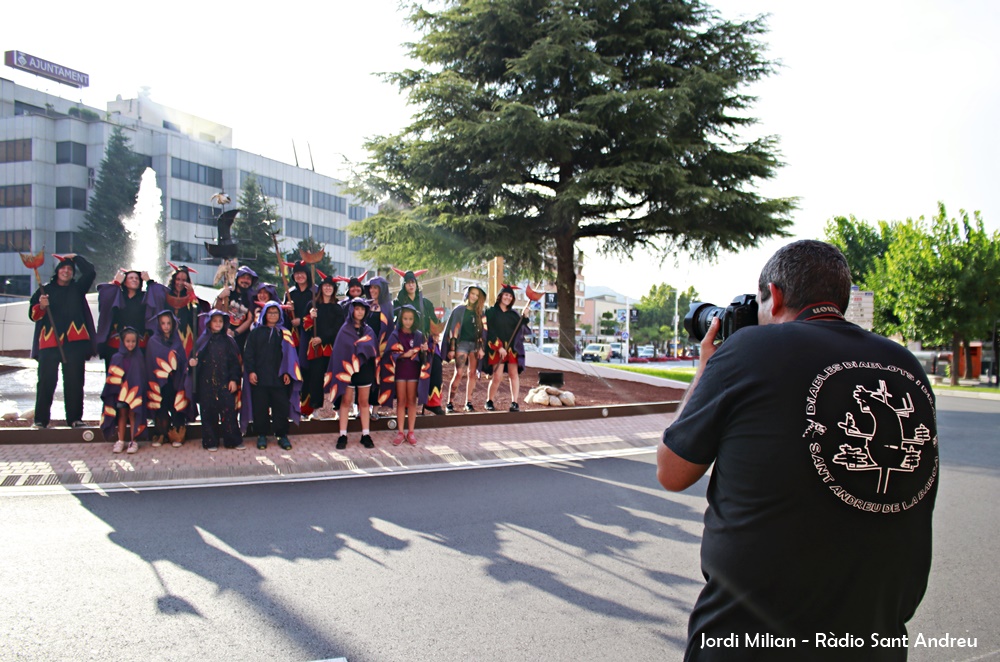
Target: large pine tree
(257, 221)
(544, 122)
(103, 239)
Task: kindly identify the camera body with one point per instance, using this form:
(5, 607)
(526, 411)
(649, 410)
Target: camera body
(740, 313)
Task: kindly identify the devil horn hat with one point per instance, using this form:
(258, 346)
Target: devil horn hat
(176, 268)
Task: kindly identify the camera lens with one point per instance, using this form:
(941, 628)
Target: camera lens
(699, 318)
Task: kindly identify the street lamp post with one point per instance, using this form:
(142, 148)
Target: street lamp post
(677, 346)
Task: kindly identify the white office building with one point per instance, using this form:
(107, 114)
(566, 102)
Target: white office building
(51, 150)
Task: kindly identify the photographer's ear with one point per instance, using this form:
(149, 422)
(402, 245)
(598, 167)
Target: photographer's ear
(771, 305)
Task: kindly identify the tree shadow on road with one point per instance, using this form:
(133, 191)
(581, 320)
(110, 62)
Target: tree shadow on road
(575, 533)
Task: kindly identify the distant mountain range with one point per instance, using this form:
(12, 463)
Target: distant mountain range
(602, 290)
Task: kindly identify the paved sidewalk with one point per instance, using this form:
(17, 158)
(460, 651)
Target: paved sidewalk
(35, 468)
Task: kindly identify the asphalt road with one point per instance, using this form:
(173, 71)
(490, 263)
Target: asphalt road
(561, 562)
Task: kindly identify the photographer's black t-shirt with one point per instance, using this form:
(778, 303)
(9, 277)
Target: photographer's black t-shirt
(824, 443)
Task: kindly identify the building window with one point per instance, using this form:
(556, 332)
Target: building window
(298, 194)
(356, 243)
(325, 235)
(70, 197)
(272, 188)
(71, 152)
(15, 150)
(64, 242)
(182, 251)
(296, 229)
(356, 213)
(147, 162)
(195, 172)
(355, 271)
(338, 268)
(329, 202)
(182, 210)
(15, 241)
(17, 285)
(18, 195)
(21, 108)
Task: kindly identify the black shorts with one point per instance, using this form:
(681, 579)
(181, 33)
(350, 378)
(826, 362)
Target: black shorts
(365, 376)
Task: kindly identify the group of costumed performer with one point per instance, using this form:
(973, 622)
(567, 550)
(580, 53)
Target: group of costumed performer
(64, 334)
(404, 372)
(466, 338)
(411, 295)
(165, 321)
(271, 368)
(505, 331)
(352, 368)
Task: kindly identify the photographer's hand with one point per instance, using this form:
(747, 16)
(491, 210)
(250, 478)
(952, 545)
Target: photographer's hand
(708, 346)
(672, 471)
(708, 349)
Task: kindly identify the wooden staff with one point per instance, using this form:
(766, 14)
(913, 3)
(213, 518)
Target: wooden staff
(312, 258)
(532, 296)
(281, 263)
(33, 262)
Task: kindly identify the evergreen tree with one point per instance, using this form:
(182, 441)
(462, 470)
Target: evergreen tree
(100, 239)
(253, 229)
(544, 122)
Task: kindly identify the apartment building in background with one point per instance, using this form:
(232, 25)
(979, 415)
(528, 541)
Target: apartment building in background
(51, 149)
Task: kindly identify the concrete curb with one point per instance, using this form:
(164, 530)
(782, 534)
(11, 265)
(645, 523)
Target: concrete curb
(88, 467)
(65, 435)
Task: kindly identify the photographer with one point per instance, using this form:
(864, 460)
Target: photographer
(824, 445)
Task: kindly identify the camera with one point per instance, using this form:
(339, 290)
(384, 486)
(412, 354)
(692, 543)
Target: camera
(740, 313)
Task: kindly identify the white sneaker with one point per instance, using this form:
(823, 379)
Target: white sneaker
(118, 447)
(133, 447)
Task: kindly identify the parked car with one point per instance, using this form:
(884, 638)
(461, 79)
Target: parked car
(616, 350)
(596, 352)
(646, 353)
(551, 349)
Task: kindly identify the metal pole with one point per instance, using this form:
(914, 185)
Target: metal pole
(677, 344)
(628, 335)
(541, 324)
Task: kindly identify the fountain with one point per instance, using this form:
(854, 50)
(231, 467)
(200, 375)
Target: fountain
(143, 226)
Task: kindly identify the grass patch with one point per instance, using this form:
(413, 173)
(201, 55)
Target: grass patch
(678, 374)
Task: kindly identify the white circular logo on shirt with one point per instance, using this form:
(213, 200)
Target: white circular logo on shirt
(872, 435)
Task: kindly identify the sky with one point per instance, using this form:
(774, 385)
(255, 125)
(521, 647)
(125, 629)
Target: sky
(883, 108)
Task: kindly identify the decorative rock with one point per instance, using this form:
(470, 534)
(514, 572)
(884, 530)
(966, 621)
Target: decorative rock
(568, 399)
(554, 401)
(541, 398)
(29, 415)
(552, 390)
(10, 416)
